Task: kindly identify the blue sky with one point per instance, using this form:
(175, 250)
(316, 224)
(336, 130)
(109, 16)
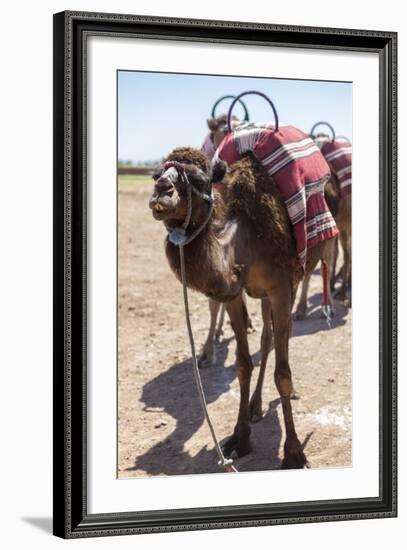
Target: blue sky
(159, 111)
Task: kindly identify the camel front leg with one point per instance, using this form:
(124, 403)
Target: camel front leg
(239, 443)
(281, 303)
(207, 357)
(256, 411)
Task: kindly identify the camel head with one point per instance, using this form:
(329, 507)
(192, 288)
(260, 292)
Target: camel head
(169, 201)
(218, 127)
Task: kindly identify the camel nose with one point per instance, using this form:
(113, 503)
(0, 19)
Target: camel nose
(153, 201)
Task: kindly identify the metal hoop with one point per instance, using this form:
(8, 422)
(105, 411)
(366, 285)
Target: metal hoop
(246, 112)
(237, 98)
(322, 122)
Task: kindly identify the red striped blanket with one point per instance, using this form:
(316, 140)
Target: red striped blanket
(339, 155)
(299, 171)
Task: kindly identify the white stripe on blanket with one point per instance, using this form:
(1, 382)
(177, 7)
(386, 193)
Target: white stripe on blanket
(291, 156)
(288, 147)
(345, 170)
(339, 152)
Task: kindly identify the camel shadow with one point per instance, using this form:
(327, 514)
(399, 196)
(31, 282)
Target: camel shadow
(315, 322)
(174, 393)
(266, 438)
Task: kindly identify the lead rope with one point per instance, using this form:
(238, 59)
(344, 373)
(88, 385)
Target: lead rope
(226, 463)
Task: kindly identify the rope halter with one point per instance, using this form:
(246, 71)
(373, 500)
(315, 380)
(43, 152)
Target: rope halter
(178, 235)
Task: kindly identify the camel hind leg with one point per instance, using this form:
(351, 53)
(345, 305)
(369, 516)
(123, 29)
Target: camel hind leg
(346, 268)
(301, 311)
(256, 411)
(207, 357)
(327, 249)
(248, 321)
(335, 254)
(219, 328)
(281, 303)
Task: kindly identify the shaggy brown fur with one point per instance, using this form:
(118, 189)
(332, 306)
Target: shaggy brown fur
(251, 192)
(188, 155)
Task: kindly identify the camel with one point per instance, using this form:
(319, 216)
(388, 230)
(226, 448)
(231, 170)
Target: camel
(340, 203)
(247, 243)
(218, 126)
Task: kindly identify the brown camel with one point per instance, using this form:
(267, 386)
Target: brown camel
(218, 129)
(247, 244)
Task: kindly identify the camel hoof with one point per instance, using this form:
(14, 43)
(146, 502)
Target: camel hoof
(340, 295)
(218, 336)
(236, 447)
(250, 328)
(255, 410)
(294, 457)
(299, 315)
(206, 360)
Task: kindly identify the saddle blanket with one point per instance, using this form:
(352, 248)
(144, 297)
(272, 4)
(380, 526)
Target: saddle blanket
(299, 171)
(338, 153)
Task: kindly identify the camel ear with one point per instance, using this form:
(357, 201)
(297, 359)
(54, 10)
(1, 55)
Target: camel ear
(218, 171)
(212, 124)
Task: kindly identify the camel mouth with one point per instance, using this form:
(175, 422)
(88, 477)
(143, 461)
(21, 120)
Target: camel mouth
(160, 211)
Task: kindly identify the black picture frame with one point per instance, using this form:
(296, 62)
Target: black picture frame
(71, 519)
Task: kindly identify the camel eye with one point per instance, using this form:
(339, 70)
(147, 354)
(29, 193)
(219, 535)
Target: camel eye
(165, 187)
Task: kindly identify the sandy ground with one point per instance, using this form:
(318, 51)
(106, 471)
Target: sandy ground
(161, 430)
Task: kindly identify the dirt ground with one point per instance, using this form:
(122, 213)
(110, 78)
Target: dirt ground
(161, 430)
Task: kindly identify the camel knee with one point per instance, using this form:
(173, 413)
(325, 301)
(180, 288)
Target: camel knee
(283, 381)
(244, 368)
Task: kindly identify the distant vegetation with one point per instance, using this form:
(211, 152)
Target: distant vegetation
(138, 164)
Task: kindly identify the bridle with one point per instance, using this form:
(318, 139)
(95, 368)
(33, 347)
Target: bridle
(178, 235)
